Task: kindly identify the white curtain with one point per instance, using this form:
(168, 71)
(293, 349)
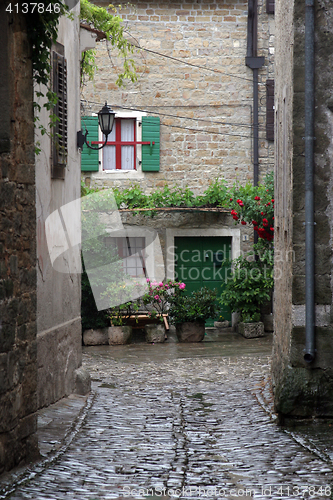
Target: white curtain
(127, 152)
(109, 152)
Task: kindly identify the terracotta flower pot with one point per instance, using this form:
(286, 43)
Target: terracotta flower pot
(190, 331)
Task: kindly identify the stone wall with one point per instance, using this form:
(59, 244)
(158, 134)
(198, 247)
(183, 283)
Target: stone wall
(205, 109)
(300, 389)
(18, 348)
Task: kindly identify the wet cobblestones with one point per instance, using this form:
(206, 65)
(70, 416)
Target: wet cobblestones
(170, 421)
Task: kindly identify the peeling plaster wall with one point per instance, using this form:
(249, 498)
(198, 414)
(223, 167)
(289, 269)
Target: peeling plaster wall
(59, 293)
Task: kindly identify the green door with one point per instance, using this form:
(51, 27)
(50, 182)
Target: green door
(203, 261)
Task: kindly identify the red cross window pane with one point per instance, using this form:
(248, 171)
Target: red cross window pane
(120, 151)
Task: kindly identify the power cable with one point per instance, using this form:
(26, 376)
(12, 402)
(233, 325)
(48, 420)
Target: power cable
(175, 116)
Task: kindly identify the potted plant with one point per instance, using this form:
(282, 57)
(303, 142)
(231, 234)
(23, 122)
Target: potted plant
(247, 290)
(189, 313)
(157, 300)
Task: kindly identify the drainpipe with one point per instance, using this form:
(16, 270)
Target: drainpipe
(254, 62)
(309, 189)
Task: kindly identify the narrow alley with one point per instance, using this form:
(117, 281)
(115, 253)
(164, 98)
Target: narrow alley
(182, 421)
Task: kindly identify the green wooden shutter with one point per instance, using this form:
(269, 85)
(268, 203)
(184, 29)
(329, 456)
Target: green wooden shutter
(151, 154)
(89, 158)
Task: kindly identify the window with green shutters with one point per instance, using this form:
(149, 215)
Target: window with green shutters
(122, 144)
(89, 158)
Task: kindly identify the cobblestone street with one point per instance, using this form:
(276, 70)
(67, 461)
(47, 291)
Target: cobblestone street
(183, 421)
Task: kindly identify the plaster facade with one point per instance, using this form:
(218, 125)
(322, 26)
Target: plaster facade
(58, 293)
(302, 390)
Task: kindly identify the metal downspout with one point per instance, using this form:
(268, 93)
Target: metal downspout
(309, 188)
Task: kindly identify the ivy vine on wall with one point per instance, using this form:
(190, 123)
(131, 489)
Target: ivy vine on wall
(42, 31)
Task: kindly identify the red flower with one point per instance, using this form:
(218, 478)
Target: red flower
(262, 213)
(255, 223)
(235, 217)
(257, 198)
(243, 222)
(272, 229)
(230, 199)
(272, 201)
(268, 204)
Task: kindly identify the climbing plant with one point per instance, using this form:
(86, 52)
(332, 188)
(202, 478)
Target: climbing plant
(42, 32)
(110, 24)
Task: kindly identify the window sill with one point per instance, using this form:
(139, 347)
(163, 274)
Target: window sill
(118, 174)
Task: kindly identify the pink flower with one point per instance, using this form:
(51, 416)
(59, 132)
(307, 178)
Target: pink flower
(182, 286)
(167, 286)
(154, 283)
(160, 283)
(147, 280)
(156, 297)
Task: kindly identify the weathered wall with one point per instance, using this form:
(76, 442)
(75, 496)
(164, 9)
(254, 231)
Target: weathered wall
(58, 293)
(18, 349)
(302, 390)
(211, 34)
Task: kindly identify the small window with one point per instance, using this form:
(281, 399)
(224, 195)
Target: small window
(270, 110)
(120, 151)
(59, 135)
(131, 251)
(270, 6)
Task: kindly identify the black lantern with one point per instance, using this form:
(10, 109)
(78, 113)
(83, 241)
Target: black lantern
(106, 120)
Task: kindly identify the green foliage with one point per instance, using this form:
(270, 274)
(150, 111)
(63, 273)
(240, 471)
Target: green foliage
(159, 295)
(255, 205)
(42, 30)
(120, 315)
(216, 195)
(200, 305)
(250, 284)
(90, 316)
(110, 24)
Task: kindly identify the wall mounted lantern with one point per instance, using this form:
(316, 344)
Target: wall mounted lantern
(106, 120)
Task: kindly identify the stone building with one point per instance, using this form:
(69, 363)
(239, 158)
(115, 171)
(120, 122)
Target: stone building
(40, 327)
(194, 105)
(302, 355)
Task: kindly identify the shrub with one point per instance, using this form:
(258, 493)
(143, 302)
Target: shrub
(200, 305)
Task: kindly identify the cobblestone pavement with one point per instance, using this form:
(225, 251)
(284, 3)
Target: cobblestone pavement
(182, 421)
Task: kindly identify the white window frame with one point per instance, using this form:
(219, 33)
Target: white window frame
(118, 173)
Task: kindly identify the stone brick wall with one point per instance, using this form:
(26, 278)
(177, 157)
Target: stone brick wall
(205, 109)
(18, 350)
(300, 389)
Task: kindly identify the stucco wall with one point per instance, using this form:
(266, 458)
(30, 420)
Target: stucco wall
(58, 295)
(210, 34)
